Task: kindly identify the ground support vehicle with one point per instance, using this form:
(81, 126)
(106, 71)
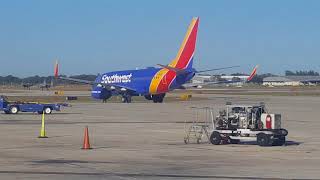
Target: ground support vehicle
(249, 123)
(15, 107)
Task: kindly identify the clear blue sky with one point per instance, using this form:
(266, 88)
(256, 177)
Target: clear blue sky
(99, 36)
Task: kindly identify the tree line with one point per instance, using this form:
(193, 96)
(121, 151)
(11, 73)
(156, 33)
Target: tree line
(301, 73)
(8, 80)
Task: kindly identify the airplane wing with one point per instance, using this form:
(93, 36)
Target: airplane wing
(56, 75)
(181, 71)
(178, 71)
(107, 86)
(216, 69)
(110, 87)
(195, 85)
(76, 80)
(252, 74)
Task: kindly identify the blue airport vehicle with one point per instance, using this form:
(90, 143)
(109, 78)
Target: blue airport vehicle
(15, 107)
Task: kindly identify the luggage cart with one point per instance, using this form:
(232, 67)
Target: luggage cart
(201, 126)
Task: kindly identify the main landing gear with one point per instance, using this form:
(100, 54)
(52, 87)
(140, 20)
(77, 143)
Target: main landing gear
(158, 98)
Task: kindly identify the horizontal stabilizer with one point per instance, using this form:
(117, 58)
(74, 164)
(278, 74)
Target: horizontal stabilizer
(178, 71)
(216, 69)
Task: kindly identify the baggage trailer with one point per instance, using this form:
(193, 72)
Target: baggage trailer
(248, 122)
(14, 107)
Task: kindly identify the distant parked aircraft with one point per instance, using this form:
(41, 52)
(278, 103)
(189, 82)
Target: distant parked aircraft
(26, 85)
(234, 80)
(44, 85)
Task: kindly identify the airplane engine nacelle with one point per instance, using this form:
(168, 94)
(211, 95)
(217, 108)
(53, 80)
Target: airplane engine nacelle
(100, 93)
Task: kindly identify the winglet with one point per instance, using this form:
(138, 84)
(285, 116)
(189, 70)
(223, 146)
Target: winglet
(253, 73)
(56, 69)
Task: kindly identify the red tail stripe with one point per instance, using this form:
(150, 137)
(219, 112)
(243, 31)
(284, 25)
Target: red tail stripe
(252, 74)
(189, 49)
(56, 70)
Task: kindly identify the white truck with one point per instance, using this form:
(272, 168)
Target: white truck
(248, 122)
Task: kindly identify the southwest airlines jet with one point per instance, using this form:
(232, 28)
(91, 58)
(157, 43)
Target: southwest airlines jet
(152, 83)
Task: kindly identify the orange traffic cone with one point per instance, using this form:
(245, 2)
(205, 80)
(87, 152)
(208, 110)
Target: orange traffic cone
(86, 143)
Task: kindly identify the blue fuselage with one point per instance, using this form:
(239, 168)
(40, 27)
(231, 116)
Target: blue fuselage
(139, 82)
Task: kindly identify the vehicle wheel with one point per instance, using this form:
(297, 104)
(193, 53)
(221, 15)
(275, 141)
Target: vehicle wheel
(264, 140)
(234, 141)
(14, 110)
(279, 141)
(47, 110)
(284, 132)
(198, 141)
(215, 138)
(186, 140)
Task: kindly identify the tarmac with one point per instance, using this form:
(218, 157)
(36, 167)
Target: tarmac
(145, 141)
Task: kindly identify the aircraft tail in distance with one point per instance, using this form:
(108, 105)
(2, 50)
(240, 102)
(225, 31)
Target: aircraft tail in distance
(253, 73)
(56, 70)
(184, 58)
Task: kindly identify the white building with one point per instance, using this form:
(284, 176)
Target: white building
(291, 80)
(201, 78)
(225, 79)
(230, 78)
